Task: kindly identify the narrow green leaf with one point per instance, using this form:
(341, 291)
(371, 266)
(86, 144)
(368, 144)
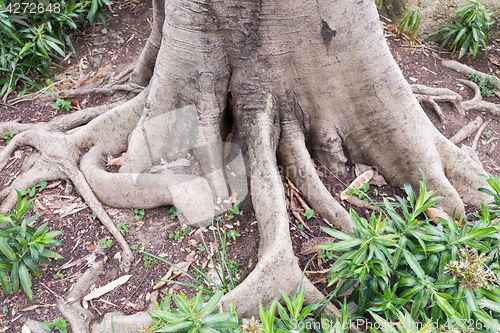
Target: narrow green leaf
(25, 278)
(7, 250)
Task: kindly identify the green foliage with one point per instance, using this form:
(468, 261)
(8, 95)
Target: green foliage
(22, 247)
(192, 315)
(487, 134)
(179, 235)
(5, 310)
(105, 243)
(139, 214)
(58, 276)
(62, 104)
(469, 32)
(309, 213)
(31, 191)
(379, 4)
(58, 324)
(173, 212)
(122, 226)
(487, 86)
(34, 32)
(325, 254)
(235, 210)
(401, 262)
(233, 234)
(409, 22)
(8, 136)
(227, 270)
(149, 262)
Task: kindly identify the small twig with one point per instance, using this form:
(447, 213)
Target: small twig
(51, 291)
(301, 220)
(10, 106)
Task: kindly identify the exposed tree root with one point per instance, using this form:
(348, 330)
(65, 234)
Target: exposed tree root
(277, 266)
(117, 322)
(442, 95)
(60, 123)
(466, 131)
(107, 90)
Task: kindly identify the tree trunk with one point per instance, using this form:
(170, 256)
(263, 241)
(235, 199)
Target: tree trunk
(292, 80)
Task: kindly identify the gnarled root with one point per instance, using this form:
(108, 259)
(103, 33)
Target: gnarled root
(433, 96)
(277, 266)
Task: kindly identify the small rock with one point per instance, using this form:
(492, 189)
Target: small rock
(100, 40)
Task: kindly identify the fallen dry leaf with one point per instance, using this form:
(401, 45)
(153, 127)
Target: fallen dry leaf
(358, 202)
(163, 280)
(116, 161)
(433, 212)
(494, 60)
(318, 276)
(74, 104)
(107, 288)
(173, 272)
(25, 329)
(363, 178)
(377, 178)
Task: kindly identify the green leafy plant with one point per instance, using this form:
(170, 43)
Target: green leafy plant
(179, 235)
(22, 247)
(325, 254)
(34, 32)
(309, 213)
(233, 234)
(487, 134)
(409, 22)
(149, 262)
(61, 104)
(173, 212)
(235, 210)
(466, 34)
(58, 324)
(105, 243)
(8, 136)
(379, 4)
(404, 262)
(136, 246)
(31, 191)
(58, 276)
(122, 226)
(234, 267)
(192, 315)
(226, 269)
(5, 310)
(139, 214)
(487, 86)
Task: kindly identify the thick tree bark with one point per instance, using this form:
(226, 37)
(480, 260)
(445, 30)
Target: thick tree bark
(297, 79)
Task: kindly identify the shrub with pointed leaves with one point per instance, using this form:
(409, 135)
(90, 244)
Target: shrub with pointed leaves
(22, 247)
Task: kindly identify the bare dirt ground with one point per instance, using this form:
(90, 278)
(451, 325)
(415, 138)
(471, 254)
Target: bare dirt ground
(103, 52)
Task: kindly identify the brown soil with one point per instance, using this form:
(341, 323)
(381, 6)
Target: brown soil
(129, 29)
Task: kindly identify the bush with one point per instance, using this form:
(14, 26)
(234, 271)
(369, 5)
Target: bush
(444, 272)
(34, 32)
(22, 247)
(466, 34)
